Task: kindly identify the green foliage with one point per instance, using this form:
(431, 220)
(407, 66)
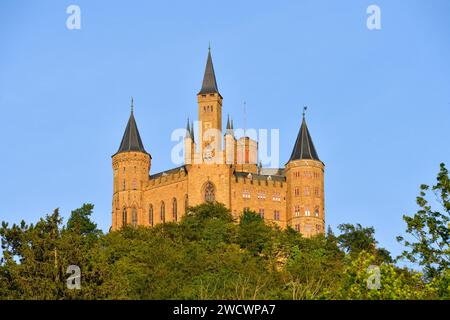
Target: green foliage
(395, 283)
(429, 230)
(355, 239)
(207, 255)
(253, 234)
(80, 222)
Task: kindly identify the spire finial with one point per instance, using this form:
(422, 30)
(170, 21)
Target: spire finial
(132, 104)
(304, 111)
(209, 45)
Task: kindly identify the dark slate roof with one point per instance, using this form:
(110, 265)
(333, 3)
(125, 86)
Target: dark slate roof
(131, 140)
(259, 176)
(272, 171)
(167, 172)
(304, 146)
(209, 84)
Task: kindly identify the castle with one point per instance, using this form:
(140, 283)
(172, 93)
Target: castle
(290, 196)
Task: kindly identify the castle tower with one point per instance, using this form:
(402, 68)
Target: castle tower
(247, 154)
(210, 116)
(131, 167)
(305, 186)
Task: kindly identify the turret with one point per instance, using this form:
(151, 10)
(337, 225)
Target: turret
(131, 167)
(189, 144)
(305, 185)
(230, 144)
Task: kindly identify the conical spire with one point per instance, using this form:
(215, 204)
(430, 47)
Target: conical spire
(192, 131)
(304, 147)
(188, 130)
(131, 140)
(229, 129)
(209, 84)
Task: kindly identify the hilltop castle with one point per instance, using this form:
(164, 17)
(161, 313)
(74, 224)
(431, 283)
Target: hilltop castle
(290, 196)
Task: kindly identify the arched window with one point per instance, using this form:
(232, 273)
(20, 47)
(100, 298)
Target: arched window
(174, 209)
(134, 217)
(124, 217)
(150, 215)
(209, 192)
(186, 203)
(162, 215)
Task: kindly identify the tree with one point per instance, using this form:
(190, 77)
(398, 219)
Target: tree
(388, 282)
(429, 229)
(254, 234)
(355, 239)
(81, 223)
(314, 268)
(31, 260)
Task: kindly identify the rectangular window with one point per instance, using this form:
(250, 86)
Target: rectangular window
(276, 215)
(261, 213)
(307, 212)
(261, 195)
(297, 227)
(297, 211)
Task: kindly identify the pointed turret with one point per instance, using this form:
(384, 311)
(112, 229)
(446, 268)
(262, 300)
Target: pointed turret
(229, 129)
(304, 147)
(304, 174)
(188, 130)
(131, 140)
(131, 166)
(209, 84)
(192, 131)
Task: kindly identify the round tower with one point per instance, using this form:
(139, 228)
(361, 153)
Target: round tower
(131, 167)
(305, 186)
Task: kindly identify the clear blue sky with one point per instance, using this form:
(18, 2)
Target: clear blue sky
(379, 101)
